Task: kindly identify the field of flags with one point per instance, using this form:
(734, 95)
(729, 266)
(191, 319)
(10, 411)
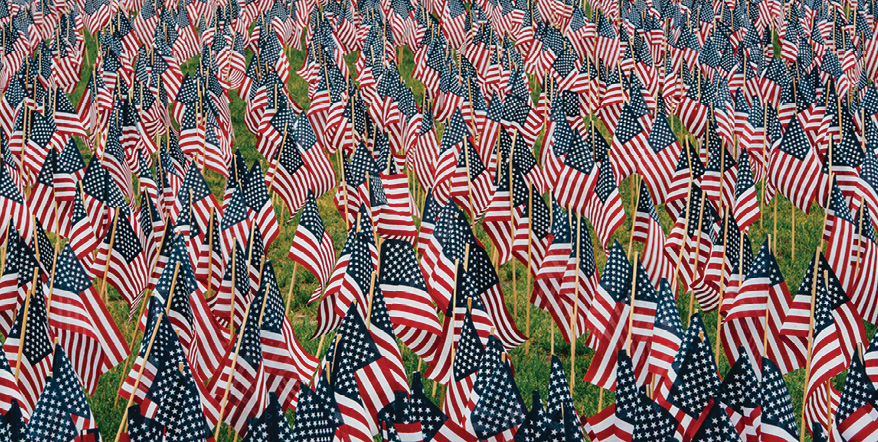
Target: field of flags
(456, 183)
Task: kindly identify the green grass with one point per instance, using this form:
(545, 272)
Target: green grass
(531, 369)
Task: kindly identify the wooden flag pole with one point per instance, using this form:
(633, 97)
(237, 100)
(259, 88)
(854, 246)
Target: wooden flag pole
(631, 312)
(24, 323)
(139, 376)
(573, 321)
(530, 205)
(225, 399)
(109, 256)
(810, 340)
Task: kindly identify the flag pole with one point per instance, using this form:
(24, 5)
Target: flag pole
(530, 205)
(573, 321)
(109, 256)
(24, 323)
(722, 286)
(810, 342)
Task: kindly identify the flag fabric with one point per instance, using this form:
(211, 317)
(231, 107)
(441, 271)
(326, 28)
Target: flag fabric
(411, 309)
(82, 322)
(124, 266)
(35, 342)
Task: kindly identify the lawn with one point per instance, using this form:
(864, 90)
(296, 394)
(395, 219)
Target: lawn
(531, 369)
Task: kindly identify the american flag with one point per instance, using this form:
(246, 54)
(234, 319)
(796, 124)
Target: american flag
(34, 344)
(689, 169)
(10, 396)
(500, 408)
(291, 177)
(235, 223)
(240, 383)
(856, 417)
(740, 394)
(667, 332)
(777, 420)
(450, 237)
(716, 426)
(259, 205)
(316, 416)
(763, 292)
(794, 168)
(356, 351)
(694, 380)
(840, 234)
(550, 274)
(230, 301)
(409, 304)
(82, 237)
(578, 176)
(746, 207)
(39, 141)
(720, 175)
(532, 233)
(350, 279)
(67, 120)
(200, 334)
(379, 381)
(485, 283)
(124, 267)
(630, 144)
(63, 408)
(195, 194)
(82, 322)
(837, 329)
(636, 415)
(312, 246)
(42, 200)
(286, 362)
(648, 230)
(605, 209)
(559, 399)
(505, 203)
(70, 170)
(657, 165)
(865, 255)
